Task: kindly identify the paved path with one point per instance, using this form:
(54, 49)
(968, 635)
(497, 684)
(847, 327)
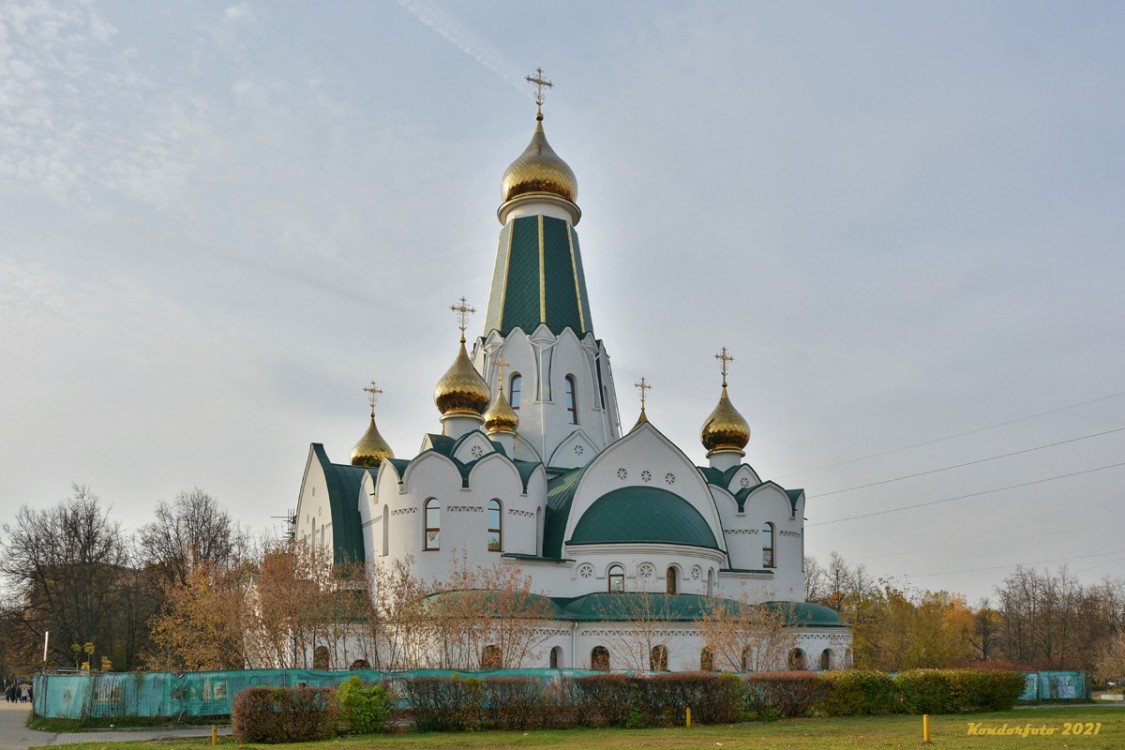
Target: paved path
(15, 736)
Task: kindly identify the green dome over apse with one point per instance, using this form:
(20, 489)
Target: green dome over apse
(643, 514)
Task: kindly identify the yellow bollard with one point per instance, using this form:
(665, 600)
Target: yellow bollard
(214, 735)
(926, 728)
(688, 722)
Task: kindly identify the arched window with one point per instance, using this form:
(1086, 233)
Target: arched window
(767, 546)
(515, 388)
(796, 660)
(490, 658)
(433, 524)
(360, 664)
(671, 579)
(658, 659)
(599, 659)
(825, 660)
(556, 657)
(571, 401)
(745, 664)
(495, 517)
(320, 657)
(706, 660)
(616, 575)
(711, 582)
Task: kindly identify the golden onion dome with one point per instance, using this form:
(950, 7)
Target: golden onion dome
(371, 448)
(725, 431)
(539, 170)
(501, 417)
(461, 390)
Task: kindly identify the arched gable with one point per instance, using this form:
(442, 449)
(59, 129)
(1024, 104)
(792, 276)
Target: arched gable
(496, 472)
(642, 458)
(768, 497)
(472, 446)
(431, 472)
(575, 450)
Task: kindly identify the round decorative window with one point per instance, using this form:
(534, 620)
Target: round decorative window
(585, 570)
(622, 474)
(579, 450)
(646, 476)
(646, 570)
(696, 572)
(477, 451)
(670, 478)
(745, 482)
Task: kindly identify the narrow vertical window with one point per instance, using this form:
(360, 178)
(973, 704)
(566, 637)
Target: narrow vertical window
(571, 401)
(599, 659)
(515, 388)
(495, 518)
(671, 581)
(616, 575)
(767, 546)
(491, 658)
(706, 660)
(433, 524)
(658, 659)
(386, 530)
(825, 660)
(797, 660)
(556, 657)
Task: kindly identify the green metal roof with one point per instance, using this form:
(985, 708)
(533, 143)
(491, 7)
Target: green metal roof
(560, 496)
(343, 481)
(806, 613)
(643, 514)
(530, 287)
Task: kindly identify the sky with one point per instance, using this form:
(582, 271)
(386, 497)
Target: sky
(904, 220)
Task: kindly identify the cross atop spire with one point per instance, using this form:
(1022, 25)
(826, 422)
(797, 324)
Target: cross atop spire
(463, 312)
(725, 359)
(372, 392)
(539, 82)
(642, 387)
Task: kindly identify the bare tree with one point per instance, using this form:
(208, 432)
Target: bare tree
(749, 636)
(67, 567)
(190, 533)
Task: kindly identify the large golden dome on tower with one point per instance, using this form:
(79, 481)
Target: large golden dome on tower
(371, 448)
(461, 390)
(539, 170)
(725, 431)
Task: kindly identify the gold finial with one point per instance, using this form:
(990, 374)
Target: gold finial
(500, 365)
(373, 392)
(539, 82)
(463, 312)
(726, 359)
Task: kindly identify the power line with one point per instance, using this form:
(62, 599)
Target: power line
(957, 435)
(1012, 565)
(995, 541)
(963, 497)
(970, 463)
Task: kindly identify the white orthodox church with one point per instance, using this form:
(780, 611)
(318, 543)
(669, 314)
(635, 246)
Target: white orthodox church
(531, 466)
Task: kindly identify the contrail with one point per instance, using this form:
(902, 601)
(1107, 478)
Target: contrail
(466, 41)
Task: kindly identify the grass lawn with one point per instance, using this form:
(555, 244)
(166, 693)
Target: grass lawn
(947, 732)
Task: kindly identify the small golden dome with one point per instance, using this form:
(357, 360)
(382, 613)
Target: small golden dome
(725, 431)
(371, 448)
(539, 170)
(461, 390)
(501, 417)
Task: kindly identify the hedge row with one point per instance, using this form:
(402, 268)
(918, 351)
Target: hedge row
(613, 700)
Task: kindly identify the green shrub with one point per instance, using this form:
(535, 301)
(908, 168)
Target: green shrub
(602, 700)
(787, 693)
(927, 691)
(271, 715)
(514, 703)
(364, 709)
(985, 690)
(858, 692)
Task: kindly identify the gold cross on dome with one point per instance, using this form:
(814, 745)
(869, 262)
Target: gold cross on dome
(372, 392)
(463, 312)
(642, 387)
(539, 82)
(726, 359)
(500, 365)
